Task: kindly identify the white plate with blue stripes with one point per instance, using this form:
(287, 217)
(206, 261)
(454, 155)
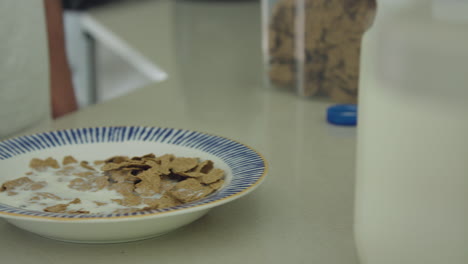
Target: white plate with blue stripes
(245, 170)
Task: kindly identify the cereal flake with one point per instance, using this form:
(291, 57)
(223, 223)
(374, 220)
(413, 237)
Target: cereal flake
(183, 164)
(190, 190)
(150, 183)
(213, 176)
(41, 165)
(68, 160)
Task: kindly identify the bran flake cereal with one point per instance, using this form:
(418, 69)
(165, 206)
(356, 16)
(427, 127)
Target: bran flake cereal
(118, 184)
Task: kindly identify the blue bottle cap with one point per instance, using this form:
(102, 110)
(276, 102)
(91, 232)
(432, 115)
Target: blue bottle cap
(342, 114)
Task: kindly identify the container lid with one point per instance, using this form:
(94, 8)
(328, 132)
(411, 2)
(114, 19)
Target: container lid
(342, 114)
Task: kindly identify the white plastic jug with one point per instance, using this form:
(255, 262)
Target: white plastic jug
(412, 166)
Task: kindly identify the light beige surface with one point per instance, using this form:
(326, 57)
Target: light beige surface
(211, 50)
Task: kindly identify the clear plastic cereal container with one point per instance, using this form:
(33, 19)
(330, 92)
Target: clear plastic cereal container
(312, 47)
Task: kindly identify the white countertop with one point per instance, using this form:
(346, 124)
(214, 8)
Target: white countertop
(211, 52)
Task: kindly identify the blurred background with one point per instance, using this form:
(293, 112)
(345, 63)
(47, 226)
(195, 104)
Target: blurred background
(309, 47)
(103, 65)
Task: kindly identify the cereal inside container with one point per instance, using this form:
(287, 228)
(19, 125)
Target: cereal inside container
(312, 47)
